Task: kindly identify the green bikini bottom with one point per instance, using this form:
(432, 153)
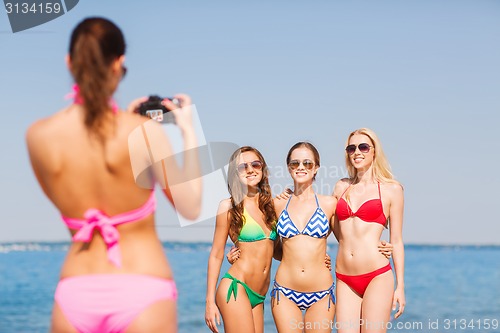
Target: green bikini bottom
(255, 299)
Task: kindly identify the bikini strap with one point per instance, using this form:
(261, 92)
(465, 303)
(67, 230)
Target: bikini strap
(331, 296)
(77, 99)
(275, 292)
(286, 207)
(317, 203)
(233, 287)
(345, 191)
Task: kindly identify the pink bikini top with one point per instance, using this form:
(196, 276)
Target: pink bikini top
(77, 99)
(106, 225)
(370, 211)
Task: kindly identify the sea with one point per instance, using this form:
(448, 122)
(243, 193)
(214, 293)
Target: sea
(449, 288)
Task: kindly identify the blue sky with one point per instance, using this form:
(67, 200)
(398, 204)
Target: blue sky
(425, 75)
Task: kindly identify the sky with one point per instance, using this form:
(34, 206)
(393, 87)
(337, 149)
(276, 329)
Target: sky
(423, 74)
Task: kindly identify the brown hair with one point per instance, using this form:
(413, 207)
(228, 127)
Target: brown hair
(237, 192)
(306, 145)
(95, 43)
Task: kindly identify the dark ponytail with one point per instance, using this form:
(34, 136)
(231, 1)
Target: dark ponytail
(95, 44)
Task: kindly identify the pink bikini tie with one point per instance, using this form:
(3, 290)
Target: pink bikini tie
(97, 220)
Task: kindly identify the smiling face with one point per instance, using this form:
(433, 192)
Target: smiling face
(360, 158)
(302, 165)
(249, 168)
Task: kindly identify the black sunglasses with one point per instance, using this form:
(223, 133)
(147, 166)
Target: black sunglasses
(363, 147)
(243, 167)
(124, 71)
(294, 164)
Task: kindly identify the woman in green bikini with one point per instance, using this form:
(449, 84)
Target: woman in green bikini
(248, 218)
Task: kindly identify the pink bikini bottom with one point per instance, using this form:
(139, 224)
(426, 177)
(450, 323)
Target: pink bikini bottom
(109, 302)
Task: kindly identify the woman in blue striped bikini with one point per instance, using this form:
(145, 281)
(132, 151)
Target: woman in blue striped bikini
(302, 281)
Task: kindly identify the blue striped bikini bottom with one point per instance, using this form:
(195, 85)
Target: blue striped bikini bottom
(301, 299)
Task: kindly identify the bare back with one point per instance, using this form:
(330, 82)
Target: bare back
(77, 172)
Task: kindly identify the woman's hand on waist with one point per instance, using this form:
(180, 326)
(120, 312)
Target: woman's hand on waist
(233, 255)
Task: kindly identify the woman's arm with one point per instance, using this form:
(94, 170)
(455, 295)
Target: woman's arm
(188, 187)
(212, 315)
(149, 146)
(334, 225)
(38, 152)
(338, 190)
(396, 236)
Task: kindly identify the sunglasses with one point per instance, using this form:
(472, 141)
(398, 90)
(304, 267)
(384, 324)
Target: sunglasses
(363, 147)
(124, 71)
(294, 164)
(243, 167)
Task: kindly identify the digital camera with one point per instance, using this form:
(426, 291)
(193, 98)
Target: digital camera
(154, 109)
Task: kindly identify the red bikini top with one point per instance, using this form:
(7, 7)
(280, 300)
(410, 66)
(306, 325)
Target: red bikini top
(370, 211)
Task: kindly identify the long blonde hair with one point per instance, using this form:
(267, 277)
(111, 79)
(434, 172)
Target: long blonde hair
(381, 170)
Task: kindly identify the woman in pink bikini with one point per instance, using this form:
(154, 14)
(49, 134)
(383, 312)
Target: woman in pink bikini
(368, 201)
(116, 277)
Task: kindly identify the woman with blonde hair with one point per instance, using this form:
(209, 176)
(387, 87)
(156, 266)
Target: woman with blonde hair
(368, 201)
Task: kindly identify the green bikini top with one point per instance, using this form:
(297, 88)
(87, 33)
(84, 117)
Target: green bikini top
(252, 231)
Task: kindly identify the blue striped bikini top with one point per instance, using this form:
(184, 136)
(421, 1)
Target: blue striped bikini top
(317, 226)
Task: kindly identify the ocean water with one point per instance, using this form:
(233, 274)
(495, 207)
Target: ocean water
(448, 288)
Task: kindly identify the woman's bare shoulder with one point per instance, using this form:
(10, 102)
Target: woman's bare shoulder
(224, 205)
(327, 201)
(394, 187)
(134, 120)
(341, 186)
(43, 129)
(279, 204)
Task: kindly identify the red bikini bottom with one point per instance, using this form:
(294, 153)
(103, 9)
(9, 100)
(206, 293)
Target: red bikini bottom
(359, 283)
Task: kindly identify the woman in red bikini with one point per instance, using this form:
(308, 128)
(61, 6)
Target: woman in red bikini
(116, 277)
(368, 201)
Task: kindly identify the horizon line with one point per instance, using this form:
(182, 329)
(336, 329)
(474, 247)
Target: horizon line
(442, 244)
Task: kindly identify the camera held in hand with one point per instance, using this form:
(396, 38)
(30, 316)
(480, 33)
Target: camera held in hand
(154, 109)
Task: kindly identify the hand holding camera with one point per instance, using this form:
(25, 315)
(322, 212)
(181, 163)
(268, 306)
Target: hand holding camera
(175, 110)
(159, 109)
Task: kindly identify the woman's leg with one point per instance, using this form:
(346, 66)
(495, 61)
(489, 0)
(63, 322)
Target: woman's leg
(287, 316)
(258, 318)
(377, 302)
(159, 317)
(348, 309)
(236, 314)
(59, 322)
(319, 318)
